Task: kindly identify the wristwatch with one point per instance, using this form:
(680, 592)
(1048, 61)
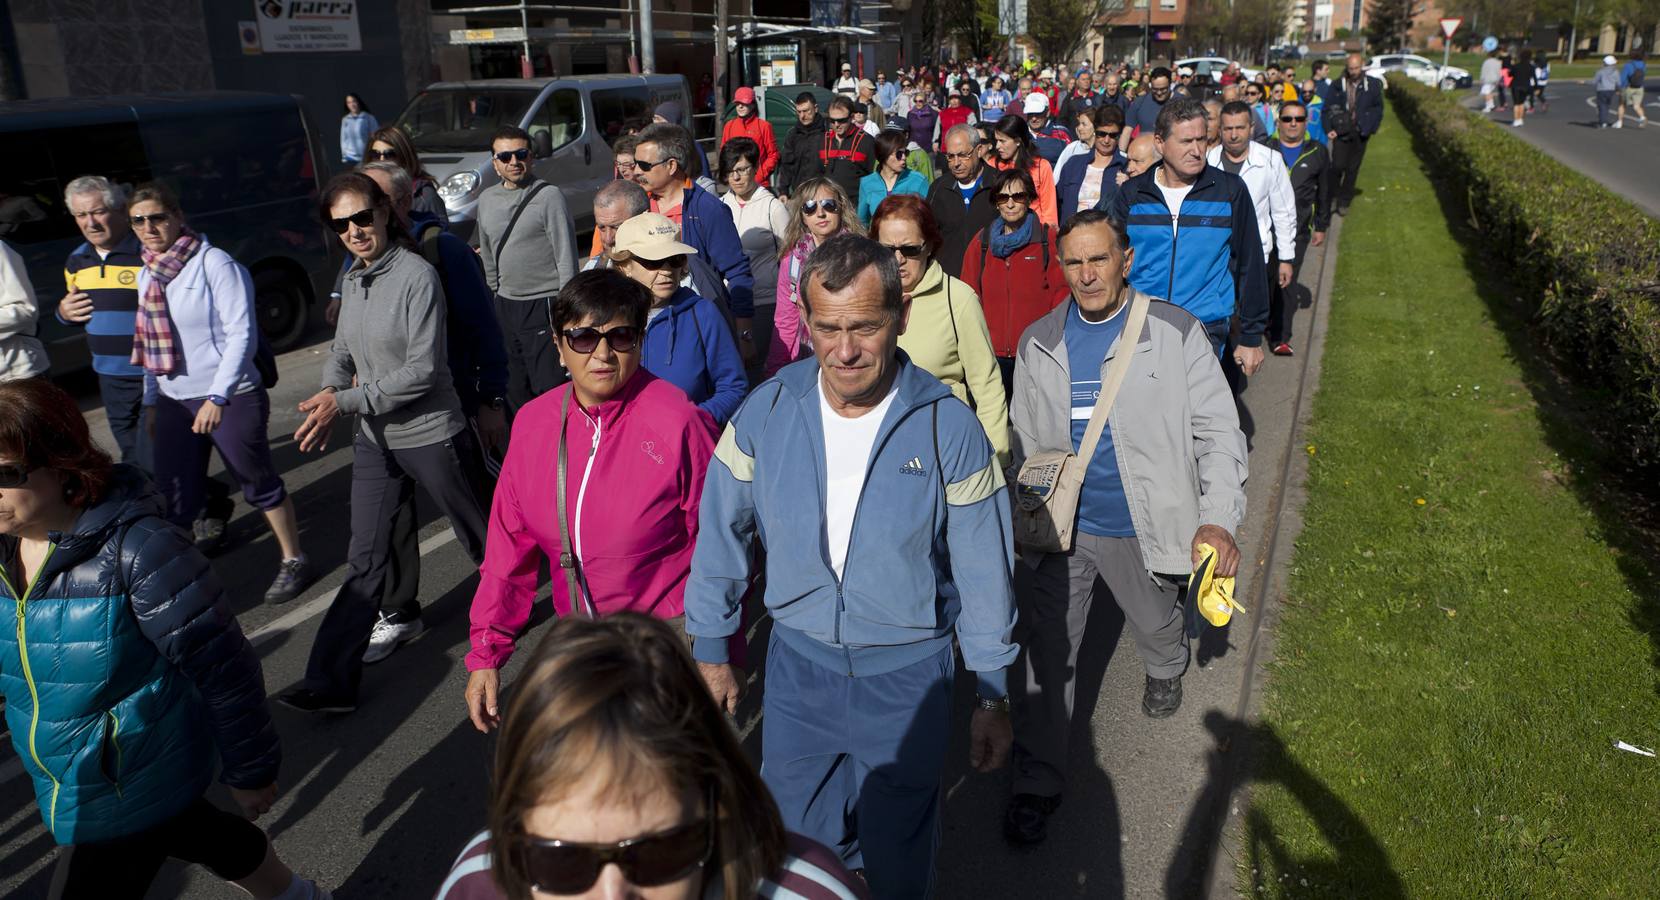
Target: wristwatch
(217, 400)
(995, 704)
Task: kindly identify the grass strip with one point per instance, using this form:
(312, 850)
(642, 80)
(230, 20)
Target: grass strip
(1463, 639)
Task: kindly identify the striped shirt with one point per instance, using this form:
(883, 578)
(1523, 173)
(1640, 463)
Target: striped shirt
(111, 282)
(809, 872)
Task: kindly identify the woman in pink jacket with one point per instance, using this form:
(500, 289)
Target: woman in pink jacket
(634, 451)
(819, 210)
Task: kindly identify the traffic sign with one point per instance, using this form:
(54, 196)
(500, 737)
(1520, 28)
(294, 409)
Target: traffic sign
(1450, 25)
(1490, 43)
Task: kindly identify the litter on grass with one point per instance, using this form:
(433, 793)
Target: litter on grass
(1629, 748)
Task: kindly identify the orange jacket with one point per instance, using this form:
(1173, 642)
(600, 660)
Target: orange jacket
(758, 130)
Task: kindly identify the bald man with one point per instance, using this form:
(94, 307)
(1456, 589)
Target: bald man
(1143, 152)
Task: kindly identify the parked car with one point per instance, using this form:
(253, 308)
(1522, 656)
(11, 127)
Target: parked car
(246, 167)
(572, 123)
(1212, 66)
(1419, 69)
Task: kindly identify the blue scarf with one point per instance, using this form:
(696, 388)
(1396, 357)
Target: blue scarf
(1003, 244)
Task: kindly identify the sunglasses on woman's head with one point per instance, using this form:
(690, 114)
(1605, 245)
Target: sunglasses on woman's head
(386, 156)
(828, 205)
(14, 476)
(622, 339)
(562, 867)
(507, 156)
(655, 265)
(363, 218)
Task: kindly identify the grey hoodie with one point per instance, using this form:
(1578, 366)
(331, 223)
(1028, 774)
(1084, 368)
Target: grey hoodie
(1606, 78)
(391, 337)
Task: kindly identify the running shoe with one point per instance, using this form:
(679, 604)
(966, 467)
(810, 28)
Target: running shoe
(388, 634)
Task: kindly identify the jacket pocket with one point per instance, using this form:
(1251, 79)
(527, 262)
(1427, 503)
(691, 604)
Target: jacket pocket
(109, 751)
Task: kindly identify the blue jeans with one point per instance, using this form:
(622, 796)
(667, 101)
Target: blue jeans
(855, 763)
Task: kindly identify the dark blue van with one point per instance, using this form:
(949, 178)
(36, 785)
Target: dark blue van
(245, 167)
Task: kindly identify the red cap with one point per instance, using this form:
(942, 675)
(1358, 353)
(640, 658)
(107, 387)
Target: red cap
(744, 95)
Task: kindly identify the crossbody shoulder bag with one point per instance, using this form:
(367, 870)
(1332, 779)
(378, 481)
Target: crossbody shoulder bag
(576, 585)
(514, 220)
(1051, 481)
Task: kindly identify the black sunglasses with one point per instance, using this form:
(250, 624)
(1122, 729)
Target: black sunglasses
(909, 251)
(507, 156)
(562, 867)
(1293, 118)
(15, 476)
(387, 155)
(1102, 132)
(673, 262)
(1015, 197)
(829, 205)
(646, 165)
(622, 339)
(160, 218)
(363, 218)
(841, 121)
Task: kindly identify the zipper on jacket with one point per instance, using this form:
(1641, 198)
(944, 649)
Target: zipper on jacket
(29, 679)
(1175, 236)
(576, 528)
(115, 742)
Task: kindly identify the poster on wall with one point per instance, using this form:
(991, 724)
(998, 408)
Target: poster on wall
(308, 26)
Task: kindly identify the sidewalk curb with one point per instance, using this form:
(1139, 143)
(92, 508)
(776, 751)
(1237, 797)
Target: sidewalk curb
(1268, 583)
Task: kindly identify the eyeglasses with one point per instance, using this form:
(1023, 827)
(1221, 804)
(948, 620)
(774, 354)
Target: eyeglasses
(157, 219)
(1293, 118)
(384, 155)
(657, 265)
(628, 166)
(507, 156)
(828, 206)
(646, 165)
(15, 476)
(909, 251)
(963, 156)
(1015, 197)
(622, 339)
(363, 218)
(1161, 90)
(563, 867)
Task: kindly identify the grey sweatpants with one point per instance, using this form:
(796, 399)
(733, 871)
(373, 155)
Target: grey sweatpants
(1054, 601)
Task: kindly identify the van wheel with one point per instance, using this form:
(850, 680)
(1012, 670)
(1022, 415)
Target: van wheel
(281, 308)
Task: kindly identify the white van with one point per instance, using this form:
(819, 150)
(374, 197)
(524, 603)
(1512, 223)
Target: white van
(572, 123)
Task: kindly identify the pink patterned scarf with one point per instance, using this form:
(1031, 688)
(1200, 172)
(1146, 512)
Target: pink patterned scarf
(155, 347)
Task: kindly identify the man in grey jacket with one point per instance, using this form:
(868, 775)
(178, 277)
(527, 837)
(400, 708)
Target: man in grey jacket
(1167, 476)
(528, 256)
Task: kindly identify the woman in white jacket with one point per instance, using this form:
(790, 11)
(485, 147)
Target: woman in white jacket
(761, 219)
(21, 353)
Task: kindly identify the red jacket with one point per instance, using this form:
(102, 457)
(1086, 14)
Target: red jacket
(950, 117)
(758, 130)
(1017, 291)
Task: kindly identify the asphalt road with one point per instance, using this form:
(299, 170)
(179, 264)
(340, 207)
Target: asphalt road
(377, 803)
(1626, 160)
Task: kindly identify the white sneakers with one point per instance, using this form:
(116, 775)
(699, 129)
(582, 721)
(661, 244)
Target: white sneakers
(388, 635)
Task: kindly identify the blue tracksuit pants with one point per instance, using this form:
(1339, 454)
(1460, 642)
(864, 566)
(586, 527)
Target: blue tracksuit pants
(855, 763)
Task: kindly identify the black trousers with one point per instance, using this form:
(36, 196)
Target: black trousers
(123, 398)
(1346, 156)
(231, 846)
(1282, 302)
(533, 366)
(403, 567)
(383, 480)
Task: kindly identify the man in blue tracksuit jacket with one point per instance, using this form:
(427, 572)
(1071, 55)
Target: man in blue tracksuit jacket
(1205, 256)
(886, 524)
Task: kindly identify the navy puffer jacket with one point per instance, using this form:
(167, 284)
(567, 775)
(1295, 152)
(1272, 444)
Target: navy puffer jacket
(124, 670)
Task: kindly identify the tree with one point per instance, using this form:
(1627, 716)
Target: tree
(1387, 24)
(1240, 29)
(1060, 27)
(974, 25)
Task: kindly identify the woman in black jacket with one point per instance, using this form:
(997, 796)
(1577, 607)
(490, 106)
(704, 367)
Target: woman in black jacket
(126, 671)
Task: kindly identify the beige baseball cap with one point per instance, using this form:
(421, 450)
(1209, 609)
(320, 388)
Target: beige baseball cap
(649, 235)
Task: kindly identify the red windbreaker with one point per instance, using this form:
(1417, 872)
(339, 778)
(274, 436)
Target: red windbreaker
(1017, 291)
(758, 130)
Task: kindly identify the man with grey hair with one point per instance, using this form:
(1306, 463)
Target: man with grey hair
(664, 166)
(897, 539)
(961, 204)
(622, 200)
(102, 280)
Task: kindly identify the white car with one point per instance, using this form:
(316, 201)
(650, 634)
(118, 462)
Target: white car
(1419, 69)
(1212, 66)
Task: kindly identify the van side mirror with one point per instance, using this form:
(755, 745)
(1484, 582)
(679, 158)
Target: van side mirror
(541, 144)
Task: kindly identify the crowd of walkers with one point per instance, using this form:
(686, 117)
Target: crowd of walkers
(836, 394)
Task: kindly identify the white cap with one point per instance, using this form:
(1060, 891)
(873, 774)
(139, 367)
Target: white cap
(1185, 70)
(1609, 60)
(1036, 102)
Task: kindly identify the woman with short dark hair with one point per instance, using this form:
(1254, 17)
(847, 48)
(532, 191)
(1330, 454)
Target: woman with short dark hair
(1014, 265)
(196, 339)
(617, 775)
(761, 219)
(893, 174)
(1015, 148)
(389, 366)
(126, 677)
(605, 472)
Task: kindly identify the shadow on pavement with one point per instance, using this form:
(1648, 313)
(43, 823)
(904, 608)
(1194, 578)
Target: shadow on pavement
(1623, 498)
(1359, 866)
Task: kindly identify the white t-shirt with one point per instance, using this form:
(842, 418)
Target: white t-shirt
(1089, 193)
(1173, 197)
(847, 446)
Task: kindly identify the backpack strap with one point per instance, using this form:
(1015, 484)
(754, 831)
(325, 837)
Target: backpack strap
(428, 242)
(517, 212)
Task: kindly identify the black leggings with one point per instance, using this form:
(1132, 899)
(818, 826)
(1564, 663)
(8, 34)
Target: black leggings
(204, 834)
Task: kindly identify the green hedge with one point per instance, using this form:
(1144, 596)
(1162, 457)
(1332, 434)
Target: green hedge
(1587, 260)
